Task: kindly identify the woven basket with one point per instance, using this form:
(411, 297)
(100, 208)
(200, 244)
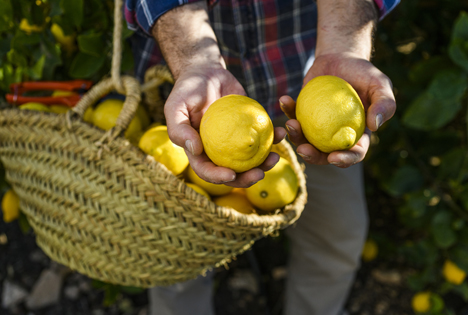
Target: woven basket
(109, 211)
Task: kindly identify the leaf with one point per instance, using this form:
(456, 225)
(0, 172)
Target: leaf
(84, 66)
(441, 229)
(407, 178)
(51, 51)
(428, 113)
(36, 71)
(6, 16)
(440, 103)
(451, 163)
(457, 50)
(73, 11)
(459, 256)
(21, 39)
(91, 44)
(4, 47)
(437, 303)
(448, 85)
(424, 70)
(413, 212)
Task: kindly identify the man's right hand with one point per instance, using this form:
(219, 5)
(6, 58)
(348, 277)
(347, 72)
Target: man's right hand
(190, 48)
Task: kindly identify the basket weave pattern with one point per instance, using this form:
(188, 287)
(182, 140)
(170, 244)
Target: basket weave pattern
(115, 214)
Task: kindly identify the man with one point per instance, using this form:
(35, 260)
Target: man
(268, 50)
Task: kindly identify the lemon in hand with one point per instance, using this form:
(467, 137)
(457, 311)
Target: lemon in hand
(105, 116)
(331, 114)
(452, 273)
(237, 133)
(278, 188)
(212, 189)
(156, 143)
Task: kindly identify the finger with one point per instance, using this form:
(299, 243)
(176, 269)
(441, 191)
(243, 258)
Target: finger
(356, 154)
(280, 134)
(181, 131)
(247, 179)
(312, 155)
(295, 134)
(270, 161)
(383, 104)
(288, 106)
(208, 171)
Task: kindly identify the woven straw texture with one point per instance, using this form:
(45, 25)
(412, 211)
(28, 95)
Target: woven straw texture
(109, 211)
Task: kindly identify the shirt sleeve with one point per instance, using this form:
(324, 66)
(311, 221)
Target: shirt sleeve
(144, 13)
(385, 6)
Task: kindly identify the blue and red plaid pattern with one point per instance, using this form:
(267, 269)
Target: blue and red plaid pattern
(265, 44)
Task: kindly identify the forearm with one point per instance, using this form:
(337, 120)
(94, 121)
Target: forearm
(345, 26)
(185, 37)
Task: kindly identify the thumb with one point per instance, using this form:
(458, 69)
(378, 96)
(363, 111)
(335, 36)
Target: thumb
(182, 133)
(383, 104)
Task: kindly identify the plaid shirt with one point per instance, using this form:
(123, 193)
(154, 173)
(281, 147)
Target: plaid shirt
(265, 44)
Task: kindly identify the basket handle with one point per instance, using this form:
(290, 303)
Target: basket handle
(125, 85)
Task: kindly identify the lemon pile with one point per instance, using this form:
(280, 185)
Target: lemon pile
(244, 142)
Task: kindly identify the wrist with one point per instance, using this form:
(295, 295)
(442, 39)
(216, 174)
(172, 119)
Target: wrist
(186, 38)
(346, 26)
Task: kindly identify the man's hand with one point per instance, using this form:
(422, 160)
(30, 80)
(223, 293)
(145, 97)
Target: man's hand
(343, 50)
(189, 46)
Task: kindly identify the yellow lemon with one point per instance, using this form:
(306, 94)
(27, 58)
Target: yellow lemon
(156, 143)
(35, 106)
(370, 250)
(59, 109)
(278, 188)
(10, 206)
(199, 190)
(236, 200)
(452, 273)
(236, 133)
(331, 114)
(88, 115)
(67, 41)
(105, 116)
(63, 93)
(421, 302)
(28, 28)
(212, 189)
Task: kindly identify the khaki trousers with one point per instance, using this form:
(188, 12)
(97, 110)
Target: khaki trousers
(326, 243)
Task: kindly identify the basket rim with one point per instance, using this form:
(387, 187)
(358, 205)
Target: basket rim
(278, 219)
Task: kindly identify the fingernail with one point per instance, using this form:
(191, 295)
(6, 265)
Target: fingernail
(231, 180)
(189, 146)
(305, 157)
(281, 104)
(336, 163)
(378, 120)
(253, 183)
(291, 131)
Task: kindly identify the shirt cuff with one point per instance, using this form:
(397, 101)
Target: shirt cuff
(144, 13)
(385, 6)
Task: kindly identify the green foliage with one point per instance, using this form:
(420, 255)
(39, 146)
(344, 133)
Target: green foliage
(30, 50)
(421, 157)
